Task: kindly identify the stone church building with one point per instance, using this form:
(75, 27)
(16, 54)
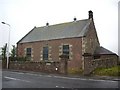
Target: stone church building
(75, 39)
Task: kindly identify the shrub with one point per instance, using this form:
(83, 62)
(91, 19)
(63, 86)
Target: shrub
(18, 59)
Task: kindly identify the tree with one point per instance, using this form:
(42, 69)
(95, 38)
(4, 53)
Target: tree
(4, 48)
(13, 51)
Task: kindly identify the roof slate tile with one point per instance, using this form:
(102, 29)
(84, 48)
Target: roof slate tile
(58, 31)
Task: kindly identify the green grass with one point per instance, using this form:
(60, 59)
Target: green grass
(113, 71)
(75, 71)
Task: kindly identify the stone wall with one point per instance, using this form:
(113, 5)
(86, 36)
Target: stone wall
(90, 64)
(49, 67)
(90, 41)
(60, 67)
(46, 67)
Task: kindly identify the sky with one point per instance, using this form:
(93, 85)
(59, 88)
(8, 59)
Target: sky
(23, 15)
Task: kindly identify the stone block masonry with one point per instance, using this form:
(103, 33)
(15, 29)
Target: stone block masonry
(49, 67)
(104, 62)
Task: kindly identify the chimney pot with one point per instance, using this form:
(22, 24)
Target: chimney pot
(75, 18)
(47, 24)
(90, 14)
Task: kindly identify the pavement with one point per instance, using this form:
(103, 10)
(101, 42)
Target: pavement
(96, 77)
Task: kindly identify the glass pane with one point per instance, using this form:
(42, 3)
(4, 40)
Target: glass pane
(28, 55)
(67, 53)
(45, 56)
(65, 47)
(45, 50)
(45, 53)
(28, 52)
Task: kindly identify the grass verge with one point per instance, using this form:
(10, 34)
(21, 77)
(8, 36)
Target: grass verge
(113, 71)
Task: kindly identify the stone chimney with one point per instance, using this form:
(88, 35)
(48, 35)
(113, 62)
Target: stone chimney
(90, 14)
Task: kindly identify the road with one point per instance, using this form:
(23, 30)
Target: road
(37, 80)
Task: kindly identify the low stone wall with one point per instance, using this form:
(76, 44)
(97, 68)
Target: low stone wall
(49, 67)
(90, 64)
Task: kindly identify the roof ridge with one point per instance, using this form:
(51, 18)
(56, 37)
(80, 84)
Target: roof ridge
(84, 28)
(63, 23)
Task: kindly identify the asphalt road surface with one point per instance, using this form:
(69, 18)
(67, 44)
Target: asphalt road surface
(35, 80)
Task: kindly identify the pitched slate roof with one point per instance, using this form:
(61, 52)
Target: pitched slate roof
(103, 51)
(58, 31)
